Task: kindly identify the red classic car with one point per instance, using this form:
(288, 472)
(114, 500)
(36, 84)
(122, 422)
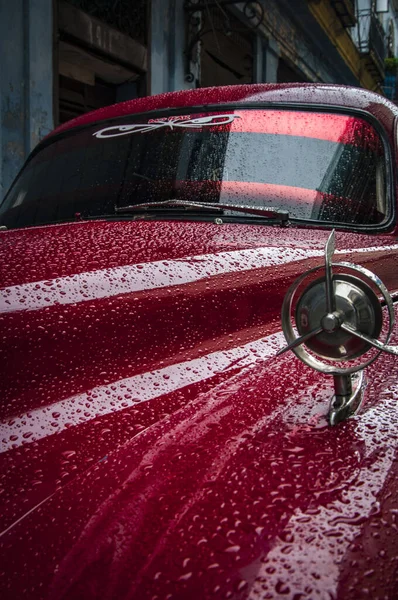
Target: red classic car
(199, 374)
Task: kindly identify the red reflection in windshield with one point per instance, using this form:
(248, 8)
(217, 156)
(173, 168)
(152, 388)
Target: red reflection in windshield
(323, 126)
(254, 190)
(245, 192)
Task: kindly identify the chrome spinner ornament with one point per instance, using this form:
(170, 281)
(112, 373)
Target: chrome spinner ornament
(338, 317)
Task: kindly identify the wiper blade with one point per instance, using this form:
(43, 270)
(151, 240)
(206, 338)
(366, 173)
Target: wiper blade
(269, 212)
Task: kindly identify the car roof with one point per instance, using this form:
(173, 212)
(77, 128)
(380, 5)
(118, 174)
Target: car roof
(286, 93)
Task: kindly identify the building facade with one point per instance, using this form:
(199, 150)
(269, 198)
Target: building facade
(61, 58)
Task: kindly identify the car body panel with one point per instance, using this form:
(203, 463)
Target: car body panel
(289, 93)
(153, 444)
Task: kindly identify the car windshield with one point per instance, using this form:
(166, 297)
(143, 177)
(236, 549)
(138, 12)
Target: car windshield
(318, 166)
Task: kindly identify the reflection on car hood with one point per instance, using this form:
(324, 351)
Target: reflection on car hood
(145, 415)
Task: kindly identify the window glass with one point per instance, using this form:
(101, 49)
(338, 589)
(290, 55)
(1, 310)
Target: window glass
(318, 166)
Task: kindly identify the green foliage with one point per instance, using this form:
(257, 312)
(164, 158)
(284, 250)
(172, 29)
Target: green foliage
(391, 65)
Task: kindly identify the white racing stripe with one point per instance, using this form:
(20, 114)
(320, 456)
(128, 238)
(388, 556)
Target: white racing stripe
(117, 396)
(110, 282)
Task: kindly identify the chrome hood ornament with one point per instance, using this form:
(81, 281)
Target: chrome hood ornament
(338, 318)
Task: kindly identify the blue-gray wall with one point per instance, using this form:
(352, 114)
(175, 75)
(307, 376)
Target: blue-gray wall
(26, 64)
(26, 81)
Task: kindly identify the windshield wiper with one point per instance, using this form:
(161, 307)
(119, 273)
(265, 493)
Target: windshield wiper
(268, 213)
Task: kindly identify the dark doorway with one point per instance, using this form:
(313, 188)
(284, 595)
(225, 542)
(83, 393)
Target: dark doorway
(101, 54)
(288, 73)
(226, 52)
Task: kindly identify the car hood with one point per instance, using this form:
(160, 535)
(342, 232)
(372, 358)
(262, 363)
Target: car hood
(146, 416)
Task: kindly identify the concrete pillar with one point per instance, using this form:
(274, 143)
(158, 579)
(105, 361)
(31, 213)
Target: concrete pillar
(157, 48)
(270, 62)
(166, 47)
(258, 63)
(177, 48)
(26, 82)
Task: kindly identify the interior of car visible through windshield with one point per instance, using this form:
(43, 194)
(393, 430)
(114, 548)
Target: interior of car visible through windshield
(319, 166)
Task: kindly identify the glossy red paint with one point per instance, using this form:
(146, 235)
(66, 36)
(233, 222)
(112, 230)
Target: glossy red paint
(295, 93)
(154, 446)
